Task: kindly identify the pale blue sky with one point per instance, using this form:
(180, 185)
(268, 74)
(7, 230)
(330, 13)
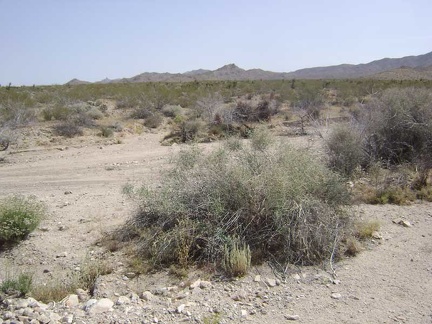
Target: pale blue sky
(53, 41)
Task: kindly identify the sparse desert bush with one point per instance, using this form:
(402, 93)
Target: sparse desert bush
(352, 247)
(56, 112)
(398, 125)
(19, 216)
(6, 137)
(142, 112)
(83, 119)
(171, 111)
(208, 106)
(95, 113)
(153, 121)
(345, 149)
(13, 114)
(68, 129)
(279, 202)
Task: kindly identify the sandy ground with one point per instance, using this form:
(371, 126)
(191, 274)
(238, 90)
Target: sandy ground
(390, 282)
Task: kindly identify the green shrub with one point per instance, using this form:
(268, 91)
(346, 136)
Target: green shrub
(19, 216)
(19, 286)
(280, 202)
(345, 149)
(106, 131)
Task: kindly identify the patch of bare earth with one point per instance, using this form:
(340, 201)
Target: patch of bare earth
(81, 182)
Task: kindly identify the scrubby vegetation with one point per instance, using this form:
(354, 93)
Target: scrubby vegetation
(390, 139)
(235, 207)
(19, 216)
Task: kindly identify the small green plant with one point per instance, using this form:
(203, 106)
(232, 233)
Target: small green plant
(19, 286)
(236, 259)
(90, 271)
(212, 319)
(106, 131)
(19, 216)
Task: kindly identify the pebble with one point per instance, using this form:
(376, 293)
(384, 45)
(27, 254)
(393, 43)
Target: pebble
(271, 282)
(292, 317)
(336, 296)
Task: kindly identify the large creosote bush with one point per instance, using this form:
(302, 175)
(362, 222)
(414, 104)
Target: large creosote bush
(398, 126)
(19, 216)
(279, 202)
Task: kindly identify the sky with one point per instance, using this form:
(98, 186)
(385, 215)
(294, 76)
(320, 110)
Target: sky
(54, 41)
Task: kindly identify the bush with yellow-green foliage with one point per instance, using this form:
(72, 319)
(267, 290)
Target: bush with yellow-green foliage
(19, 216)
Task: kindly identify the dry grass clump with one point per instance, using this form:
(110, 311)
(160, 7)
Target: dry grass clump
(86, 279)
(366, 229)
(279, 202)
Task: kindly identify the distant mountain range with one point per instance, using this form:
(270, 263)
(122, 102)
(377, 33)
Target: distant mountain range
(408, 67)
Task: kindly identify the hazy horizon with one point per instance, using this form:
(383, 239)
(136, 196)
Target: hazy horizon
(54, 41)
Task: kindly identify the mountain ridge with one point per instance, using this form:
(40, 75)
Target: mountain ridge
(411, 66)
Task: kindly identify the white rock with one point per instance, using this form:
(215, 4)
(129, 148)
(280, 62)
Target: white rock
(181, 308)
(195, 284)
(377, 235)
(292, 317)
(123, 300)
(71, 301)
(68, 319)
(82, 294)
(271, 282)
(103, 305)
(147, 295)
(336, 296)
(90, 303)
(296, 276)
(257, 278)
(205, 284)
(22, 303)
(243, 313)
